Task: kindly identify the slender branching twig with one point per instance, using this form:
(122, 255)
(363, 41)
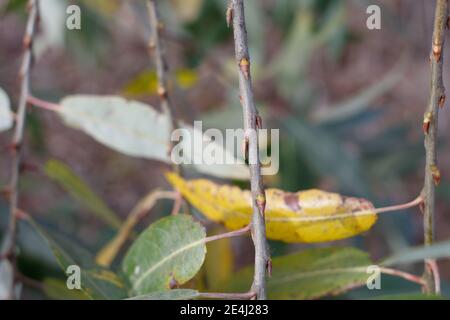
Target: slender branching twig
(157, 49)
(430, 128)
(8, 247)
(252, 122)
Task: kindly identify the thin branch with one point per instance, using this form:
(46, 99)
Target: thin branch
(231, 234)
(156, 47)
(252, 122)
(430, 127)
(107, 254)
(228, 296)
(8, 246)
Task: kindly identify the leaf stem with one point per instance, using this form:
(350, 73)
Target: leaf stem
(252, 122)
(402, 274)
(156, 47)
(32, 100)
(8, 247)
(231, 234)
(430, 128)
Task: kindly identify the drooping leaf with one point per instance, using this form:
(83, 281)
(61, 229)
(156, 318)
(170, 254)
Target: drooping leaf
(81, 192)
(137, 130)
(311, 274)
(56, 289)
(169, 253)
(6, 117)
(96, 282)
(175, 294)
(305, 216)
(434, 251)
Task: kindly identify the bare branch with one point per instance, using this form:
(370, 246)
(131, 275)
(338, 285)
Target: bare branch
(8, 247)
(251, 124)
(430, 127)
(156, 47)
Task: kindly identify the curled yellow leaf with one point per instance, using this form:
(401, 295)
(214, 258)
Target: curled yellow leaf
(305, 216)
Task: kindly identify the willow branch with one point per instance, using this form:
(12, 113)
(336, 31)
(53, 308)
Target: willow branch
(8, 247)
(252, 122)
(156, 47)
(430, 127)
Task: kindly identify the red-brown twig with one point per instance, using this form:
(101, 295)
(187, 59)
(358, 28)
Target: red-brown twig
(252, 122)
(8, 247)
(430, 128)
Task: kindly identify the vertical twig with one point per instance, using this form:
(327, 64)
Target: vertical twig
(8, 247)
(430, 127)
(252, 122)
(156, 47)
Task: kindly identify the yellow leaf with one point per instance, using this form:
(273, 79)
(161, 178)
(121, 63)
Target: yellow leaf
(305, 216)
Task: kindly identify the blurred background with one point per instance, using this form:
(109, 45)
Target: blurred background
(348, 101)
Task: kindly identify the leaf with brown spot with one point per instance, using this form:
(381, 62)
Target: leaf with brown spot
(304, 216)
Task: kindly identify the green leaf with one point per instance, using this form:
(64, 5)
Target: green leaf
(434, 251)
(81, 192)
(6, 118)
(129, 127)
(138, 130)
(311, 274)
(410, 296)
(56, 289)
(96, 282)
(176, 294)
(169, 253)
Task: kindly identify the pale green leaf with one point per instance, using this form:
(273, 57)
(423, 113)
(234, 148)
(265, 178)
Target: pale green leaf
(169, 253)
(81, 192)
(6, 117)
(311, 274)
(138, 130)
(176, 294)
(129, 127)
